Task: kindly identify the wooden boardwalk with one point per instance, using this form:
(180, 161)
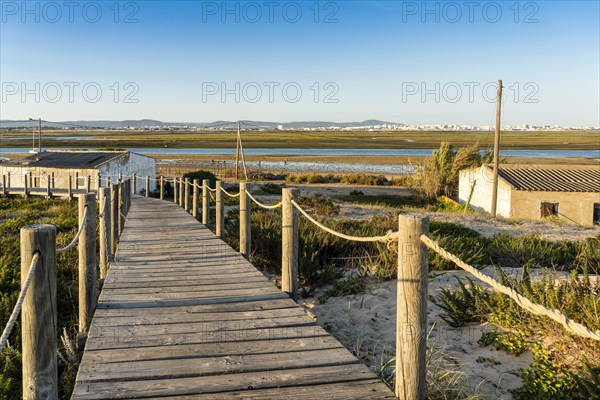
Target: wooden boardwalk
(182, 315)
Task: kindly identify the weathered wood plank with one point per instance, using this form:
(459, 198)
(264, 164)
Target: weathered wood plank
(183, 315)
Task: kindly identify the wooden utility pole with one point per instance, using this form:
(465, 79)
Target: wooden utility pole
(237, 152)
(39, 135)
(496, 151)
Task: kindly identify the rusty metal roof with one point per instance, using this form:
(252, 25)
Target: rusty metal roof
(549, 179)
(67, 159)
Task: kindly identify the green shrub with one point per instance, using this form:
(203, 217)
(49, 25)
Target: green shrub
(201, 175)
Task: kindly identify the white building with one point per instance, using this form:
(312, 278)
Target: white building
(57, 166)
(570, 193)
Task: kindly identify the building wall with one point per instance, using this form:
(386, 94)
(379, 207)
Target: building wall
(127, 164)
(482, 193)
(572, 206)
(130, 164)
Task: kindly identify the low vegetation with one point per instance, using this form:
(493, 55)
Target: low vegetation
(16, 213)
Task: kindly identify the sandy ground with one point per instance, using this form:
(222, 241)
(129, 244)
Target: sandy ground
(366, 324)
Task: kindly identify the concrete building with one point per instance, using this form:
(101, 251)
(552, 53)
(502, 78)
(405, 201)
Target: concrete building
(57, 166)
(532, 192)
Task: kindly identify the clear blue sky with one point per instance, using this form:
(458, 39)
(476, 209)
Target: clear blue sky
(369, 59)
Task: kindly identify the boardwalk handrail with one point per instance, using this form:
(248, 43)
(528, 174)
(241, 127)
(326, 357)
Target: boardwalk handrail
(389, 237)
(19, 304)
(231, 194)
(262, 205)
(76, 238)
(523, 302)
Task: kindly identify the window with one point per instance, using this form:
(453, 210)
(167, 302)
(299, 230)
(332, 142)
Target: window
(549, 209)
(596, 213)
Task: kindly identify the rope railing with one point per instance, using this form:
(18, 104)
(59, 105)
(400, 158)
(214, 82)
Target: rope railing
(17, 309)
(230, 194)
(265, 206)
(389, 237)
(76, 238)
(523, 302)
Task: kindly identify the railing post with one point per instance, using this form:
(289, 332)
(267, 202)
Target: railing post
(105, 232)
(133, 183)
(245, 217)
(121, 206)
(114, 214)
(98, 180)
(180, 192)
(87, 261)
(25, 191)
(53, 185)
(186, 200)
(162, 188)
(219, 212)
(38, 314)
(147, 186)
(70, 188)
(8, 179)
(30, 179)
(4, 185)
(48, 194)
(88, 181)
(205, 202)
(411, 318)
(175, 189)
(289, 243)
(195, 199)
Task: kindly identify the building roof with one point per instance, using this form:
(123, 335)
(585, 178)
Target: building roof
(551, 178)
(68, 159)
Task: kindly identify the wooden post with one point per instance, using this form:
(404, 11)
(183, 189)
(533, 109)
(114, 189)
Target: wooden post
(88, 181)
(147, 186)
(162, 188)
(120, 177)
(105, 219)
(219, 212)
(53, 182)
(48, 194)
(411, 319)
(133, 183)
(30, 179)
(25, 191)
(8, 179)
(186, 200)
(127, 192)
(87, 261)
(114, 214)
(38, 315)
(98, 180)
(180, 192)
(289, 244)
(205, 202)
(195, 199)
(70, 188)
(76, 180)
(121, 206)
(245, 213)
(4, 185)
(174, 189)
(496, 151)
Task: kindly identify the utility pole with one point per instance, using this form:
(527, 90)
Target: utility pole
(237, 152)
(39, 135)
(496, 151)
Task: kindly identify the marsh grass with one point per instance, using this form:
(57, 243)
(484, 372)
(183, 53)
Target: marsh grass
(16, 213)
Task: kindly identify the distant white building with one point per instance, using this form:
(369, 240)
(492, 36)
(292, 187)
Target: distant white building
(80, 165)
(571, 193)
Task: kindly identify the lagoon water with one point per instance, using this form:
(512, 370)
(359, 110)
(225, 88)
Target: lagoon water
(298, 166)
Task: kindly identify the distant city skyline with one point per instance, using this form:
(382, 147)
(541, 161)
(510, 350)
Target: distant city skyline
(420, 63)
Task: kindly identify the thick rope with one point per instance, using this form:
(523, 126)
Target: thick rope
(76, 238)
(229, 194)
(211, 189)
(389, 237)
(20, 300)
(268, 207)
(524, 302)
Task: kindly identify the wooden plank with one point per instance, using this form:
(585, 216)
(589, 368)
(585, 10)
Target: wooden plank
(183, 315)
